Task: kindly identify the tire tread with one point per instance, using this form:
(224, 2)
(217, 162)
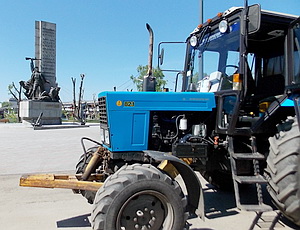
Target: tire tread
(124, 176)
(283, 171)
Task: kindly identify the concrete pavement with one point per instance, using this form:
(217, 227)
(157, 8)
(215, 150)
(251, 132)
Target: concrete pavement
(24, 151)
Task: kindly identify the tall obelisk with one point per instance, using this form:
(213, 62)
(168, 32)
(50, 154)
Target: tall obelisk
(45, 51)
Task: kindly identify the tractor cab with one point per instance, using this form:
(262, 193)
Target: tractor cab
(222, 48)
(240, 56)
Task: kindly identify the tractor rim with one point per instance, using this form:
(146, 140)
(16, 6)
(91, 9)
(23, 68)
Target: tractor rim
(146, 210)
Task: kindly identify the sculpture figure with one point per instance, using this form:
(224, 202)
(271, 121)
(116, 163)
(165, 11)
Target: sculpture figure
(38, 82)
(27, 85)
(35, 86)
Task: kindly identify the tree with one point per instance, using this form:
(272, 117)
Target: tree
(16, 93)
(78, 111)
(142, 71)
(6, 104)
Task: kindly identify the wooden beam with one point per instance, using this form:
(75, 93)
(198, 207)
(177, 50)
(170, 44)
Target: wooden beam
(58, 181)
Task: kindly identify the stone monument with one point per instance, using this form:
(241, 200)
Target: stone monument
(43, 104)
(45, 51)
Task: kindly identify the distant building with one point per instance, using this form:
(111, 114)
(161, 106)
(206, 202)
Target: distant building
(90, 108)
(13, 103)
(12, 106)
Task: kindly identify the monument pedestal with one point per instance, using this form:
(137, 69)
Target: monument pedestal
(31, 110)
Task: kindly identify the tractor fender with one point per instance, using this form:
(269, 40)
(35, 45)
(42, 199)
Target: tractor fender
(191, 181)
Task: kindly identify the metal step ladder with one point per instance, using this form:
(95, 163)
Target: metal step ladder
(255, 179)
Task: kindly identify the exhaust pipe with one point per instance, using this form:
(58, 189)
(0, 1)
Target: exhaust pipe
(150, 57)
(149, 82)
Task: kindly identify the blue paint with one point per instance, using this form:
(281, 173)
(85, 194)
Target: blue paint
(128, 114)
(288, 103)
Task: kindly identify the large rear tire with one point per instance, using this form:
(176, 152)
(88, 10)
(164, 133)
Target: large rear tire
(139, 197)
(284, 170)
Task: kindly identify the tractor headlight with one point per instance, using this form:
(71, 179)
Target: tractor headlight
(104, 136)
(223, 26)
(193, 41)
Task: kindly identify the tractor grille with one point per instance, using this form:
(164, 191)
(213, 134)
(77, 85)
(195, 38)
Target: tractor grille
(102, 110)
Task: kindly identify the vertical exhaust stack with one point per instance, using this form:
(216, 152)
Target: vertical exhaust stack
(149, 82)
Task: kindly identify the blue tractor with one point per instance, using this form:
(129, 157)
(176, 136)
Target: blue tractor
(236, 121)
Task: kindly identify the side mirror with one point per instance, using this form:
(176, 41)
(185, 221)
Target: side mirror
(174, 50)
(161, 56)
(254, 18)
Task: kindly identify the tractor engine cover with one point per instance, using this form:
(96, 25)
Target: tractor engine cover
(125, 117)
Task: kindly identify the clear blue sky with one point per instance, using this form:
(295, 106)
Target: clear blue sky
(104, 39)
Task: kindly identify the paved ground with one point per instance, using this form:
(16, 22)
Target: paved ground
(24, 150)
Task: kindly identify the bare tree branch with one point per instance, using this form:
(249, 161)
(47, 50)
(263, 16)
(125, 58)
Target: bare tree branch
(13, 84)
(12, 93)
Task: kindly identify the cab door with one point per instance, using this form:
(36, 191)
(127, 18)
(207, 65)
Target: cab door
(293, 65)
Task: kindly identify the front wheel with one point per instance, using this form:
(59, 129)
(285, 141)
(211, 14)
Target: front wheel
(284, 170)
(139, 197)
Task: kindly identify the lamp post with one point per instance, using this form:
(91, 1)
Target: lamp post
(201, 58)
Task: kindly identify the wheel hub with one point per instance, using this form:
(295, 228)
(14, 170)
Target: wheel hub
(142, 211)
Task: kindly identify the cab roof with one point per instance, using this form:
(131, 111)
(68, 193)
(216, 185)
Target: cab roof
(236, 11)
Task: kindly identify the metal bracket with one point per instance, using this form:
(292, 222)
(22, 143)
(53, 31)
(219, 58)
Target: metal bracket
(192, 182)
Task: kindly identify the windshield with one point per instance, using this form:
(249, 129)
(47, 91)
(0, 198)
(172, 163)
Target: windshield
(297, 53)
(219, 53)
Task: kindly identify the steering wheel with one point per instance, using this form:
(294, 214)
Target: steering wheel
(226, 81)
(223, 70)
